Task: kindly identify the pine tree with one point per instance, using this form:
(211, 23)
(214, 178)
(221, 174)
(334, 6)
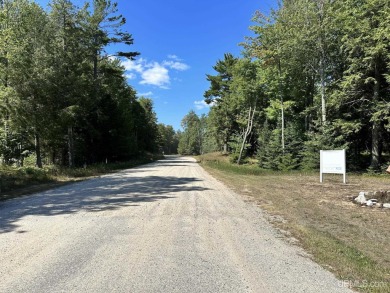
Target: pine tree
(219, 94)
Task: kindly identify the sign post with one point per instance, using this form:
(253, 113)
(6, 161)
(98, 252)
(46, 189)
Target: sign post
(332, 162)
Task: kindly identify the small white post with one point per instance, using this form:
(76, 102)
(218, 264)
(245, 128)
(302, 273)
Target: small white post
(345, 168)
(321, 174)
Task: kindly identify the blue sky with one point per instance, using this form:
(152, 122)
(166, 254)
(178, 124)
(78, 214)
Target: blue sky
(179, 42)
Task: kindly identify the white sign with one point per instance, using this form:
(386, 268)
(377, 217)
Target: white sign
(332, 162)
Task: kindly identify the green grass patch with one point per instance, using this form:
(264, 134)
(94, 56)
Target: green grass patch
(242, 170)
(222, 163)
(13, 178)
(351, 266)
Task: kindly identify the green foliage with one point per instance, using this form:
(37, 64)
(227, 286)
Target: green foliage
(225, 106)
(235, 146)
(62, 96)
(169, 141)
(209, 138)
(319, 73)
(147, 130)
(190, 142)
(12, 179)
(234, 168)
(270, 153)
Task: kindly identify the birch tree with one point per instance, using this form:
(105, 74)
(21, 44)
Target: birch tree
(247, 90)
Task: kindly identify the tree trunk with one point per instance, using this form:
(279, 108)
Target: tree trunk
(322, 61)
(38, 161)
(21, 158)
(227, 129)
(375, 154)
(200, 143)
(281, 100)
(375, 139)
(95, 66)
(7, 116)
(248, 130)
(53, 156)
(323, 97)
(282, 108)
(6, 135)
(70, 147)
(225, 147)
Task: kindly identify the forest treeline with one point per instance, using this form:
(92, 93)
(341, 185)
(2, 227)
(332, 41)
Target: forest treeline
(63, 99)
(313, 75)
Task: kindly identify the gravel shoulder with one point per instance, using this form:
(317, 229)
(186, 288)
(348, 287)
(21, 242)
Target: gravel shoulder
(163, 227)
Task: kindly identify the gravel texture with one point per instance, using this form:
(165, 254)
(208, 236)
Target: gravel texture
(162, 227)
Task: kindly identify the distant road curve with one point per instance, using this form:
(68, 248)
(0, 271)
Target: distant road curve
(162, 227)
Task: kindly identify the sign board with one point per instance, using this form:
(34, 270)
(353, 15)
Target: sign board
(332, 162)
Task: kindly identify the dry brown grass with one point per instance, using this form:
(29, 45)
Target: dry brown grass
(351, 241)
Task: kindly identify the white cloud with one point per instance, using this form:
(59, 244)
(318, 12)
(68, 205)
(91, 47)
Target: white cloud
(200, 105)
(130, 75)
(156, 74)
(174, 57)
(136, 66)
(153, 73)
(147, 94)
(176, 65)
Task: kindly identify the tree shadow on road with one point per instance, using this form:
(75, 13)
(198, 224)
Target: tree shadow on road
(184, 162)
(110, 192)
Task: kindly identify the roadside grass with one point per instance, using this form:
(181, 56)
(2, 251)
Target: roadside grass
(15, 181)
(351, 241)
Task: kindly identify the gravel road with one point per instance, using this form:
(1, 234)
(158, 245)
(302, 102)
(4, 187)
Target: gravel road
(162, 227)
